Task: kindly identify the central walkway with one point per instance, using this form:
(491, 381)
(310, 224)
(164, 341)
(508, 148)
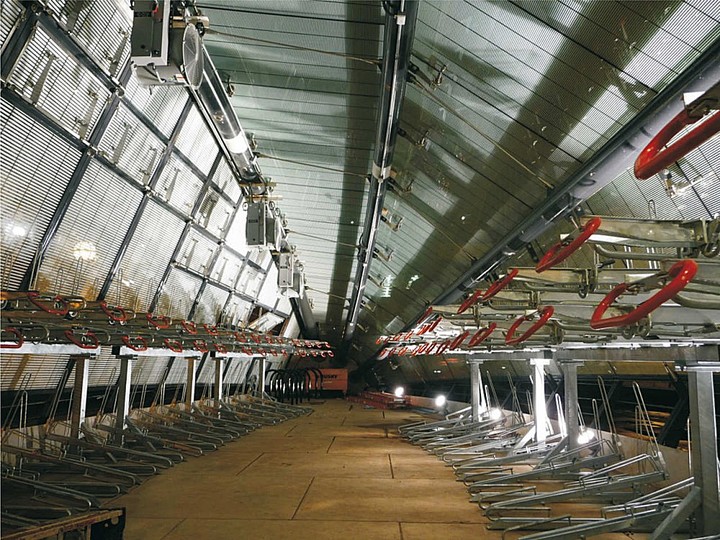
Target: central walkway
(341, 472)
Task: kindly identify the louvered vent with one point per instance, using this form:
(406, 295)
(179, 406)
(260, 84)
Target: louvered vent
(148, 255)
(196, 141)
(131, 145)
(36, 167)
(88, 239)
(67, 92)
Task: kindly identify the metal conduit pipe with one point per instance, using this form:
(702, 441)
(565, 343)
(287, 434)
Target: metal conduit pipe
(400, 19)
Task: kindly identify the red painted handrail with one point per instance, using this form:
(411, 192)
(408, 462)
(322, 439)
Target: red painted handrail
(563, 249)
(481, 335)
(545, 315)
(495, 287)
(680, 274)
(654, 158)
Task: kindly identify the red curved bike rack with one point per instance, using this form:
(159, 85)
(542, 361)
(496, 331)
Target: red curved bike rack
(128, 341)
(200, 345)
(219, 347)
(18, 335)
(70, 335)
(495, 287)
(545, 315)
(481, 335)
(680, 274)
(212, 330)
(161, 322)
(121, 316)
(191, 328)
(173, 344)
(654, 158)
(34, 297)
(563, 249)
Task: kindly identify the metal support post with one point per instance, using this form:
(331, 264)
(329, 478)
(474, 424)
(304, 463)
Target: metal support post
(79, 400)
(477, 394)
(539, 398)
(123, 408)
(190, 383)
(703, 437)
(569, 370)
(262, 378)
(219, 371)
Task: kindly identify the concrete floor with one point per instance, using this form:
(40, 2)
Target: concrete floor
(341, 472)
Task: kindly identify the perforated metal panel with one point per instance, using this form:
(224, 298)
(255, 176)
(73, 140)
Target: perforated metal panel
(70, 94)
(131, 145)
(196, 141)
(147, 256)
(211, 304)
(36, 167)
(96, 222)
(162, 105)
(178, 185)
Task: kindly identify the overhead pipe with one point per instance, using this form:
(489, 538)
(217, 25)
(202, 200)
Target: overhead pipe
(400, 19)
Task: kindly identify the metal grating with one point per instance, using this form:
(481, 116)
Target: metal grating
(227, 268)
(131, 145)
(11, 10)
(178, 294)
(70, 94)
(196, 141)
(96, 222)
(162, 105)
(103, 31)
(178, 185)
(36, 167)
(237, 311)
(197, 252)
(206, 376)
(104, 369)
(225, 180)
(147, 257)
(211, 305)
(45, 371)
(148, 370)
(214, 213)
(178, 372)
